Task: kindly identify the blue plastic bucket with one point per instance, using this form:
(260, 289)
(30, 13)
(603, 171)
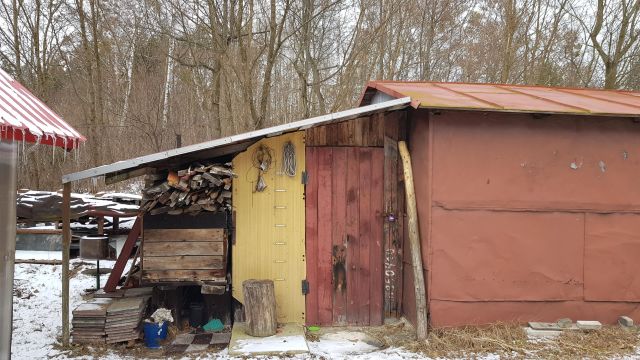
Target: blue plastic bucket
(153, 333)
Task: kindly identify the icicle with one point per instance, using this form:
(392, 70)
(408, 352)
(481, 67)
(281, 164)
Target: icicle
(24, 160)
(53, 148)
(64, 152)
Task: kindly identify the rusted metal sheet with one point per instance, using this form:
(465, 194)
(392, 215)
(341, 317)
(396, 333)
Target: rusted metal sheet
(23, 117)
(344, 236)
(526, 218)
(513, 161)
(456, 313)
(612, 246)
(510, 98)
(501, 256)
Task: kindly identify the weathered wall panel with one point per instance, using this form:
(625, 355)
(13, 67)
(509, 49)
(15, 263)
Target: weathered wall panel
(612, 248)
(395, 130)
(364, 131)
(455, 313)
(485, 255)
(526, 218)
(516, 161)
(344, 247)
(270, 226)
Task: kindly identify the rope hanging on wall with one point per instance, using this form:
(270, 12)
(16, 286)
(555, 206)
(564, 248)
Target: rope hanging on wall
(262, 157)
(289, 159)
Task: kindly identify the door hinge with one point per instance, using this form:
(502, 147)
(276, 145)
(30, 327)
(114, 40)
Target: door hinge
(305, 178)
(305, 287)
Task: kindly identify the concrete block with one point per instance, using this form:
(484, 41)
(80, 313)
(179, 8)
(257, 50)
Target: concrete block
(541, 334)
(565, 323)
(625, 321)
(544, 326)
(588, 325)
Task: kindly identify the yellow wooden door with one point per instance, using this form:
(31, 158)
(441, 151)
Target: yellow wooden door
(270, 225)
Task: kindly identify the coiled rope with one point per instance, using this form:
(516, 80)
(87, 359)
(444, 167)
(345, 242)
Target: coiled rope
(289, 159)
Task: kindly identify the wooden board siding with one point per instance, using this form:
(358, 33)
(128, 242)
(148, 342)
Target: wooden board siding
(176, 235)
(365, 131)
(395, 130)
(175, 255)
(344, 235)
(269, 238)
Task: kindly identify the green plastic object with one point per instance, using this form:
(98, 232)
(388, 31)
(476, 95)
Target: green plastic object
(213, 325)
(313, 328)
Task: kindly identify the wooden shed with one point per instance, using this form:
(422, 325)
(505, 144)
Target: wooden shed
(526, 204)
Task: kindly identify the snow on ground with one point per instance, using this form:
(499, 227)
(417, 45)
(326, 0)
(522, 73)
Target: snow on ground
(37, 304)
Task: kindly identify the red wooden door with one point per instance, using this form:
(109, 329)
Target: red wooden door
(344, 235)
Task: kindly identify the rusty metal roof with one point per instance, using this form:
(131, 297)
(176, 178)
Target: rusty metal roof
(23, 117)
(511, 98)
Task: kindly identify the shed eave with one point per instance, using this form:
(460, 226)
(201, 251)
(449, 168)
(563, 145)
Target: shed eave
(142, 161)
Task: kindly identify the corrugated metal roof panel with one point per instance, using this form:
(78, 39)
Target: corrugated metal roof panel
(23, 117)
(514, 98)
(232, 144)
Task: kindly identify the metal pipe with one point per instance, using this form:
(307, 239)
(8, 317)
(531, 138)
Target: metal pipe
(8, 160)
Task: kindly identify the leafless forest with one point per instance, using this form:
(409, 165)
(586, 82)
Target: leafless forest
(133, 75)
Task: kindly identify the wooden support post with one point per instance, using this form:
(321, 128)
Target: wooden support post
(414, 240)
(66, 247)
(8, 165)
(260, 307)
(100, 232)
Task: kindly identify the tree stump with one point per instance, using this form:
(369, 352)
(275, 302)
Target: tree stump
(260, 307)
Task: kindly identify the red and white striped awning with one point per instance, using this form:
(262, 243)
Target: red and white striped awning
(23, 117)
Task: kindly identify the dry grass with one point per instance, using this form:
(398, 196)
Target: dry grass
(510, 341)
(608, 342)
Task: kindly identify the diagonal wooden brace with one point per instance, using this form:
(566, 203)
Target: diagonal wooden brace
(127, 249)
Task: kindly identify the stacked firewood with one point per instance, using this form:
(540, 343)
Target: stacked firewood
(192, 190)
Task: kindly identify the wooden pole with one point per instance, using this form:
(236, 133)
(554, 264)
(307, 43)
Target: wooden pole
(66, 246)
(414, 240)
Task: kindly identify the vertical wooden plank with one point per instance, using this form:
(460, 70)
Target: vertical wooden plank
(364, 269)
(339, 246)
(311, 235)
(352, 234)
(66, 247)
(325, 312)
(375, 247)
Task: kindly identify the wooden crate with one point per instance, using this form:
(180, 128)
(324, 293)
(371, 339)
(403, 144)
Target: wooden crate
(189, 255)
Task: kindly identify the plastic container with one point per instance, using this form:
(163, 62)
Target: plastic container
(153, 333)
(196, 314)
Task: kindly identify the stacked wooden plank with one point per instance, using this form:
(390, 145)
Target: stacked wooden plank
(193, 190)
(173, 255)
(123, 319)
(108, 320)
(89, 321)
